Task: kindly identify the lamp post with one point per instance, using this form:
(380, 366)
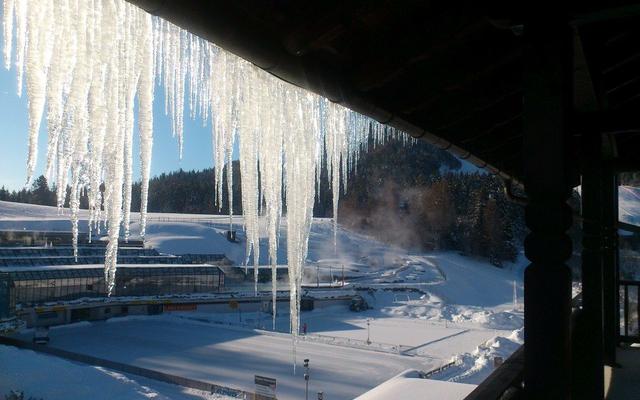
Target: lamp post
(306, 378)
(368, 330)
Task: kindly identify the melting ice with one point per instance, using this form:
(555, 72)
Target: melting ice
(85, 64)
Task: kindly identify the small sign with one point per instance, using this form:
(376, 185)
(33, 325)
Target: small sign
(265, 388)
(180, 307)
(233, 304)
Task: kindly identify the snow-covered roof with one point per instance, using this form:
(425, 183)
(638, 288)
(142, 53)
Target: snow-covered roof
(408, 385)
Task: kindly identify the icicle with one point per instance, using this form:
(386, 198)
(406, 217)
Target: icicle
(300, 149)
(36, 81)
(74, 204)
(271, 142)
(87, 61)
(20, 8)
(131, 65)
(145, 108)
(248, 130)
(8, 31)
(336, 148)
(59, 79)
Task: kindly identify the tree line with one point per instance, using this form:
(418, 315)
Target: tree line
(416, 197)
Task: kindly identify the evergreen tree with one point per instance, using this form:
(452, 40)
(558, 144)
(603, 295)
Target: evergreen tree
(41, 193)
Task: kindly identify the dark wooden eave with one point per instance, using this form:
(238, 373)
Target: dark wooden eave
(448, 72)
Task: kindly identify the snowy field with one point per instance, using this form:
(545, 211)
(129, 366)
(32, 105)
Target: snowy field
(45, 377)
(202, 233)
(231, 357)
(432, 307)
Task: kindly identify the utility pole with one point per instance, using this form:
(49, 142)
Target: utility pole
(306, 378)
(317, 275)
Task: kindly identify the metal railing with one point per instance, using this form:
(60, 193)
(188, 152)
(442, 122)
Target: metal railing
(630, 312)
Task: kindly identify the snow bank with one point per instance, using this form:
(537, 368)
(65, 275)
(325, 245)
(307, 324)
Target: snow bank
(409, 385)
(476, 366)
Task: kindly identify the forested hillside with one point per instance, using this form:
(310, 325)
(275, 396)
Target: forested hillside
(419, 199)
(415, 197)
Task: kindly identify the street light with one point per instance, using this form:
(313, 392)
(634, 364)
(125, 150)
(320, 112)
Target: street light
(306, 378)
(368, 330)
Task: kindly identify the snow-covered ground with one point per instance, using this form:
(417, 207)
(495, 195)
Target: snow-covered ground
(409, 385)
(202, 233)
(629, 203)
(41, 376)
(231, 356)
(433, 308)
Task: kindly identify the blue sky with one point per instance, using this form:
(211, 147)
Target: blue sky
(197, 152)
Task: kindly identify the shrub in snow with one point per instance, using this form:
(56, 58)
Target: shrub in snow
(17, 395)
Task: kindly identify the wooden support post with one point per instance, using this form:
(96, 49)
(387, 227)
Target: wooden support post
(548, 102)
(588, 333)
(610, 267)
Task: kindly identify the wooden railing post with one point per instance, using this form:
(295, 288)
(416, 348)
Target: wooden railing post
(588, 371)
(610, 268)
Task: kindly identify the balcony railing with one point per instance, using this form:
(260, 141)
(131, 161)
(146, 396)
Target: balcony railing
(629, 313)
(507, 381)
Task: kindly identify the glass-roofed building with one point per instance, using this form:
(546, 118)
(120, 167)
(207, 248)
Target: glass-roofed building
(50, 285)
(40, 284)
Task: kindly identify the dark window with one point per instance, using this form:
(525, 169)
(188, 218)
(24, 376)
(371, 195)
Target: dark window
(48, 315)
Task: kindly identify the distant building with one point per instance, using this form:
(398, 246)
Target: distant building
(38, 285)
(39, 269)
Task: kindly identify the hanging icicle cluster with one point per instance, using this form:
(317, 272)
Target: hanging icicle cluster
(87, 61)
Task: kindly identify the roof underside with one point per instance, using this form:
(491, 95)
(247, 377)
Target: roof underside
(452, 77)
